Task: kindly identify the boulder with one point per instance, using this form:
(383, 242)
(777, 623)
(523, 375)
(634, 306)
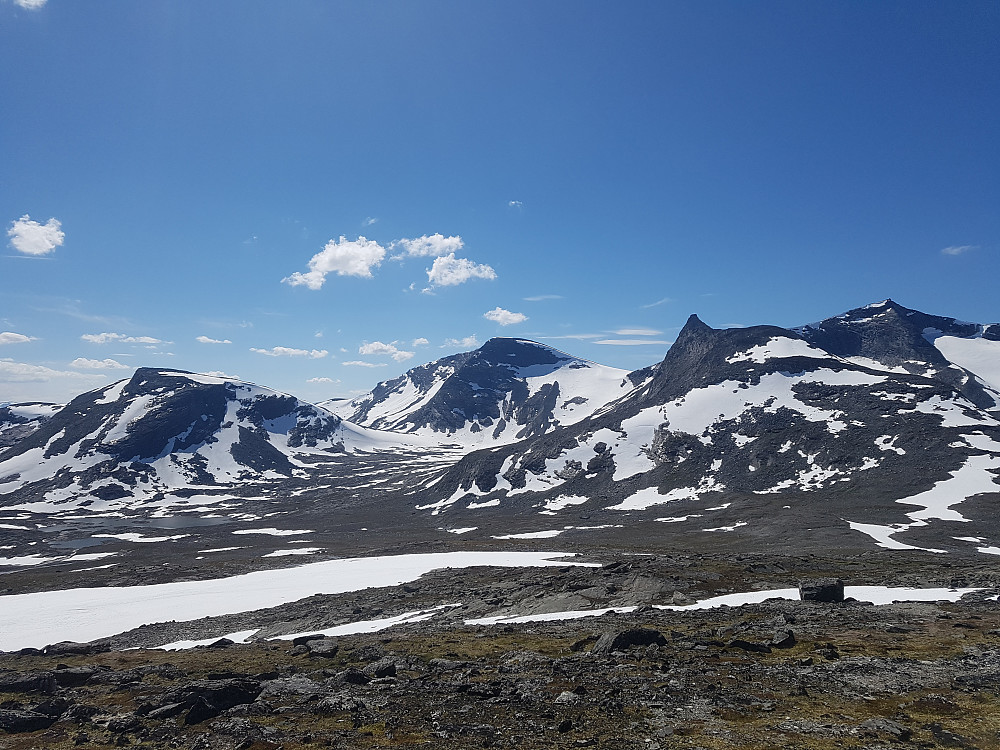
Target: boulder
(626, 639)
(822, 590)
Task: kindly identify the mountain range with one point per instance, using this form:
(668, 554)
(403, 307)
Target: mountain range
(880, 426)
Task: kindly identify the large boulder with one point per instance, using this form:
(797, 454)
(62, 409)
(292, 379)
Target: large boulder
(625, 639)
(822, 590)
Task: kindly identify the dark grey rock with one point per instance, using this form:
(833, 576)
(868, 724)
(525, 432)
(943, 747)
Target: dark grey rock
(822, 590)
(626, 639)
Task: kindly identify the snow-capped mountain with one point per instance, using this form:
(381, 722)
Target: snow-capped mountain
(888, 336)
(507, 390)
(734, 419)
(165, 430)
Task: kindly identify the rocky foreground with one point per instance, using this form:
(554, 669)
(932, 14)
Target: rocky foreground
(801, 674)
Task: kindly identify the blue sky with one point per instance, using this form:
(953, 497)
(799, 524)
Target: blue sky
(176, 175)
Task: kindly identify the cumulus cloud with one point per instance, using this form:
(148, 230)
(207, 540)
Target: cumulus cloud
(120, 338)
(322, 380)
(468, 341)
(82, 363)
(9, 337)
(451, 271)
(420, 342)
(31, 238)
(391, 350)
(505, 317)
(343, 257)
(958, 249)
(21, 372)
(428, 246)
(359, 363)
(637, 332)
(284, 351)
(207, 340)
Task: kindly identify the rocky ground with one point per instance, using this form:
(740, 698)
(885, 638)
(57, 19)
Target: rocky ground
(780, 673)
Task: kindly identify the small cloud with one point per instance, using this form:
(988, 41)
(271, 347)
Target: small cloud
(21, 372)
(630, 342)
(515, 204)
(207, 340)
(251, 240)
(221, 374)
(958, 249)
(420, 342)
(318, 335)
(467, 342)
(359, 363)
(505, 317)
(428, 246)
(9, 337)
(30, 4)
(637, 332)
(378, 348)
(576, 336)
(322, 380)
(343, 257)
(451, 271)
(81, 363)
(31, 238)
(369, 221)
(658, 302)
(121, 338)
(284, 351)
(543, 297)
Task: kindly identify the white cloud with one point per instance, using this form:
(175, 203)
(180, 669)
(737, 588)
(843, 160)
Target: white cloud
(391, 350)
(82, 363)
(420, 342)
(30, 4)
(466, 342)
(630, 342)
(505, 317)
(322, 380)
(284, 351)
(121, 338)
(31, 238)
(658, 302)
(21, 372)
(207, 340)
(369, 221)
(450, 271)
(637, 332)
(543, 297)
(9, 337)
(221, 374)
(958, 249)
(359, 363)
(343, 257)
(576, 336)
(429, 246)
(515, 204)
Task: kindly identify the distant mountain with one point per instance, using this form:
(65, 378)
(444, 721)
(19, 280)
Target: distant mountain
(507, 390)
(17, 421)
(167, 430)
(747, 418)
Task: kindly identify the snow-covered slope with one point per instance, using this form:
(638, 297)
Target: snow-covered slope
(507, 390)
(166, 430)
